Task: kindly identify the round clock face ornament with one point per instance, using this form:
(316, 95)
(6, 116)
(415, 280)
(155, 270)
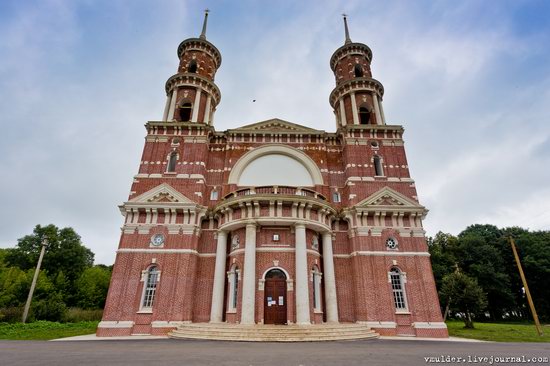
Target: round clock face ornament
(391, 243)
(157, 240)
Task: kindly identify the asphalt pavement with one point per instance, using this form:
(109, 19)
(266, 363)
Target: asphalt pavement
(159, 352)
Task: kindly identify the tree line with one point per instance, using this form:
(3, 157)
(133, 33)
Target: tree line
(477, 277)
(68, 286)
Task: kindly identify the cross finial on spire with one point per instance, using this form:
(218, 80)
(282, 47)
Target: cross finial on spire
(203, 33)
(348, 40)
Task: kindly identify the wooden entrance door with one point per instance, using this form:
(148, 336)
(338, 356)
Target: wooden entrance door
(275, 298)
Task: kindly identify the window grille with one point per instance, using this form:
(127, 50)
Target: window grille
(150, 287)
(398, 290)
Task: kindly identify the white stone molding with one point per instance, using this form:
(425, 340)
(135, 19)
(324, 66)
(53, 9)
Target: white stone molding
(380, 324)
(382, 254)
(429, 325)
(116, 324)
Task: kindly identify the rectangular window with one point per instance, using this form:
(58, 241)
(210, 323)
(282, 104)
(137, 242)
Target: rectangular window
(336, 197)
(398, 293)
(214, 195)
(150, 288)
(276, 237)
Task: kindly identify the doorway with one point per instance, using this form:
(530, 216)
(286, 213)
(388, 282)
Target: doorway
(275, 297)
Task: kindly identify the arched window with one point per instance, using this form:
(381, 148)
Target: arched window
(336, 197)
(358, 70)
(378, 171)
(151, 280)
(316, 278)
(192, 66)
(185, 112)
(172, 162)
(398, 289)
(364, 116)
(233, 278)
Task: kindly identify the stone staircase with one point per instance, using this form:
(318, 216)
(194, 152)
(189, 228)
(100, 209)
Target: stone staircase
(273, 333)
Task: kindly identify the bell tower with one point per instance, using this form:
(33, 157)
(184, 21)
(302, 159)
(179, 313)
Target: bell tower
(191, 94)
(357, 97)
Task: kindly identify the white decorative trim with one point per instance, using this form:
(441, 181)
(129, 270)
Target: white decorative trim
(383, 254)
(429, 325)
(165, 251)
(379, 324)
(116, 324)
(166, 324)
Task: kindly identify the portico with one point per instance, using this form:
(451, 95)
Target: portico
(298, 254)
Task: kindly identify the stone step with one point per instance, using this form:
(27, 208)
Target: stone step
(273, 333)
(263, 333)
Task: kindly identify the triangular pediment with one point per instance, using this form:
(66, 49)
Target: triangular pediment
(388, 197)
(277, 124)
(163, 193)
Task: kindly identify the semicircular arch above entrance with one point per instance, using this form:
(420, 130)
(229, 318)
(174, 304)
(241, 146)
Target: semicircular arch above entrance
(275, 165)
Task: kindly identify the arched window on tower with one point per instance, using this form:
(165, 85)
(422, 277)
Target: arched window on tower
(172, 162)
(378, 171)
(151, 278)
(358, 70)
(185, 112)
(398, 289)
(192, 66)
(364, 115)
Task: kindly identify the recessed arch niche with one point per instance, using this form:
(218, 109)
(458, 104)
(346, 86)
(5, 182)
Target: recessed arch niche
(275, 165)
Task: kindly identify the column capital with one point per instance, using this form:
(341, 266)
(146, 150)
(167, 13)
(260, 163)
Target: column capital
(300, 224)
(251, 223)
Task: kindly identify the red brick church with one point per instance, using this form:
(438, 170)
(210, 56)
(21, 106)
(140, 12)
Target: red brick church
(272, 222)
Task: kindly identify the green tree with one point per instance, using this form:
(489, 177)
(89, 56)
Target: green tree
(65, 254)
(466, 296)
(92, 287)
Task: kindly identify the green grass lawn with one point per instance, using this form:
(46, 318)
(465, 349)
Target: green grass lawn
(44, 330)
(499, 332)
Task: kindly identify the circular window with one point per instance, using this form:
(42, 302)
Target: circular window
(374, 143)
(391, 243)
(157, 240)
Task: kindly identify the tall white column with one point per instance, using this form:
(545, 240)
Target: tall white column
(330, 280)
(382, 111)
(249, 280)
(302, 291)
(354, 110)
(172, 105)
(207, 109)
(376, 108)
(167, 107)
(196, 106)
(342, 112)
(216, 311)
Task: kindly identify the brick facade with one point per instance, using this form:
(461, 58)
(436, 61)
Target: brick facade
(174, 223)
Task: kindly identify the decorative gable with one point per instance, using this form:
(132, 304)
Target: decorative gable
(388, 197)
(163, 193)
(276, 124)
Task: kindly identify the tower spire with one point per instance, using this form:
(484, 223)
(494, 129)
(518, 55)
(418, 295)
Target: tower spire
(203, 33)
(348, 40)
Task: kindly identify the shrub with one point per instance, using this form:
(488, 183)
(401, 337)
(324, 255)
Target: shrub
(52, 309)
(11, 314)
(75, 315)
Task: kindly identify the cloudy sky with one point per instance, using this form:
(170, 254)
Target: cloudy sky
(469, 81)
